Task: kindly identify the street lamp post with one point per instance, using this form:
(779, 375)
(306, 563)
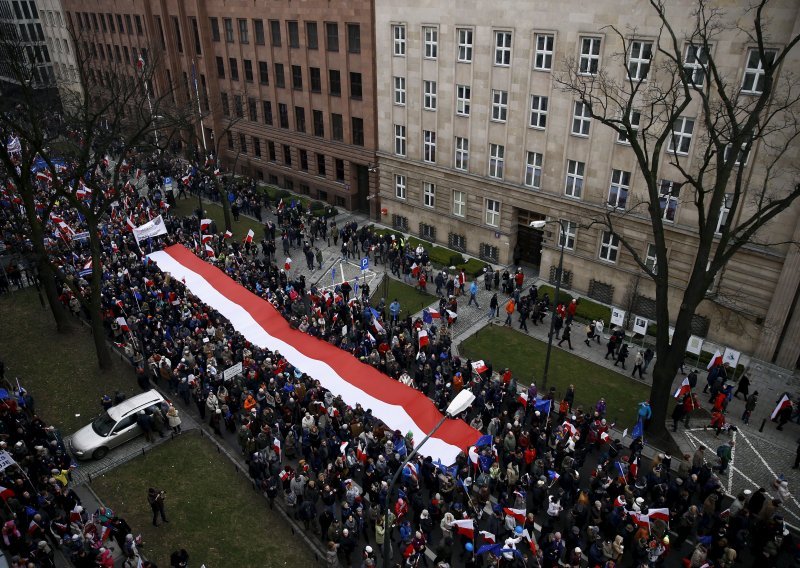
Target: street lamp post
(559, 272)
(459, 404)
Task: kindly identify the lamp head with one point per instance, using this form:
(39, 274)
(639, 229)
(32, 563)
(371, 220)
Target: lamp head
(537, 224)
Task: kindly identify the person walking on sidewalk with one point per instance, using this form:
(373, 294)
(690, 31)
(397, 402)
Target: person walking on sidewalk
(566, 336)
(494, 307)
(749, 407)
(509, 311)
(156, 499)
(473, 294)
(638, 364)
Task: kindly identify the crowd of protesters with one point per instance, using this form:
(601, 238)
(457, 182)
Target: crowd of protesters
(550, 486)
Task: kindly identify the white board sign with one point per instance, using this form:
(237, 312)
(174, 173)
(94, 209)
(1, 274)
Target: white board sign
(6, 460)
(731, 357)
(617, 316)
(695, 345)
(640, 325)
(231, 372)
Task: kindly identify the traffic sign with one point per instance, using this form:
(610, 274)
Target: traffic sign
(365, 263)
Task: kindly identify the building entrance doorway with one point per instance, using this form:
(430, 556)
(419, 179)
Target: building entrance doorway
(528, 249)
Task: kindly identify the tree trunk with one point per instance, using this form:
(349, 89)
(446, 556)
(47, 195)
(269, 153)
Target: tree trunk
(47, 278)
(95, 298)
(226, 205)
(663, 374)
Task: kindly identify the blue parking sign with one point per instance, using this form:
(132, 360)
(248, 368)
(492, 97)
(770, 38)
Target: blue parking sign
(364, 263)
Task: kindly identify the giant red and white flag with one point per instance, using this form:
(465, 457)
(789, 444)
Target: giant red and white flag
(399, 406)
(782, 403)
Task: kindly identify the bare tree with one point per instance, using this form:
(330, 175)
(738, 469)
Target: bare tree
(646, 99)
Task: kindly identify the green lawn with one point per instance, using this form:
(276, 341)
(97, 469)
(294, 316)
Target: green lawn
(187, 207)
(213, 511)
(525, 356)
(59, 370)
(411, 300)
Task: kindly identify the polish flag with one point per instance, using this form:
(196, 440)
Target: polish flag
(472, 453)
(434, 313)
(634, 467)
(210, 251)
(83, 192)
(782, 403)
(149, 283)
(287, 264)
(343, 447)
(522, 398)
(479, 366)
(206, 238)
(640, 519)
(227, 235)
(569, 427)
(32, 528)
(44, 176)
(123, 325)
(130, 225)
(361, 453)
(488, 537)
(423, 338)
(249, 237)
(518, 514)
(285, 474)
(120, 305)
(531, 541)
(75, 514)
(716, 360)
(465, 527)
(204, 224)
(186, 180)
(276, 445)
(683, 389)
(659, 515)
(5, 493)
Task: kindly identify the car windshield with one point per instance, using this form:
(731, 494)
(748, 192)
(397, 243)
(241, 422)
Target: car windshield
(103, 424)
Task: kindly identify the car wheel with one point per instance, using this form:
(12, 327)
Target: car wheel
(100, 453)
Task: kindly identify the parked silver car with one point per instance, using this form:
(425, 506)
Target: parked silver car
(113, 427)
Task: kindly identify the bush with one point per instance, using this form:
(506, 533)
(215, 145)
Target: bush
(282, 194)
(587, 309)
(456, 259)
(473, 267)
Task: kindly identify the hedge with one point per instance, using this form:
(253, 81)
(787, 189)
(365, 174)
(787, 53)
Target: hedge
(587, 309)
(440, 256)
(473, 267)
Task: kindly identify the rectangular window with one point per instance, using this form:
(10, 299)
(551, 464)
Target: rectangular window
(462, 154)
(332, 36)
(695, 63)
(315, 79)
(668, 199)
(459, 203)
(538, 111)
(581, 119)
(234, 65)
(355, 86)
(650, 258)
(258, 31)
(280, 79)
(226, 107)
(297, 78)
(263, 72)
(339, 166)
(256, 147)
(724, 213)
(639, 56)
(198, 48)
(543, 56)
(399, 140)
(400, 90)
(430, 36)
(429, 194)
(303, 160)
(566, 237)
(399, 186)
(499, 105)
(357, 130)
(283, 115)
(252, 109)
(609, 247)
(337, 127)
(589, 62)
(243, 33)
(681, 137)
(741, 155)
(271, 151)
(533, 169)
(574, 184)
(228, 29)
(319, 123)
(618, 191)
(178, 41)
(294, 34)
(429, 95)
(463, 94)
(230, 140)
(492, 213)
(502, 48)
(753, 80)
(635, 119)
(353, 38)
(248, 70)
(312, 42)
(464, 36)
(267, 108)
(429, 146)
(220, 67)
(299, 119)
(275, 32)
(321, 168)
(111, 23)
(243, 143)
(496, 160)
(238, 106)
(334, 83)
(287, 155)
(128, 26)
(399, 35)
